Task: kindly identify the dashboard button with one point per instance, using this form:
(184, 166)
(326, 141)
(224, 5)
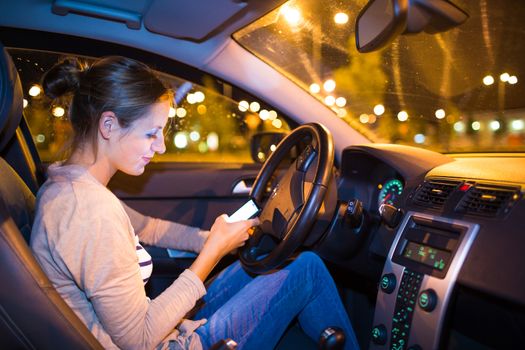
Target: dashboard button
(379, 334)
(388, 283)
(427, 300)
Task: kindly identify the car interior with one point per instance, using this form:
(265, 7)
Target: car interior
(386, 136)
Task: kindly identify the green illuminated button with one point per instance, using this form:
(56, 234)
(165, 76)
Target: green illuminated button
(388, 283)
(427, 300)
(379, 334)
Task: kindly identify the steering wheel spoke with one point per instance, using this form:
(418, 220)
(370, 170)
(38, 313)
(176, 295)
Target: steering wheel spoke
(293, 205)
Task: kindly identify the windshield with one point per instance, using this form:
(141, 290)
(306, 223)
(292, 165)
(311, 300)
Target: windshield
(457, 91)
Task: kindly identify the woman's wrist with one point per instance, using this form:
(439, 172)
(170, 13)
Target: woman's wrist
(205, 262)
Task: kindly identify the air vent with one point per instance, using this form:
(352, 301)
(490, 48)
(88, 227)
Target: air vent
(487, 201)
(434, 193)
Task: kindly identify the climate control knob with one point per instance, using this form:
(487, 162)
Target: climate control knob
(427, 300)
(388, 283)
(379, 334)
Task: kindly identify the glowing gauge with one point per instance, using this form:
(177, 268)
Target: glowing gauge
(390, 190)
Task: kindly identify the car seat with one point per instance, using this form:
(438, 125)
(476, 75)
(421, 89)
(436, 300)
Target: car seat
(32, 313)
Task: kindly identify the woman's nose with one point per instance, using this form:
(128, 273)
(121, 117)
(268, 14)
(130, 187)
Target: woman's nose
(159, 146)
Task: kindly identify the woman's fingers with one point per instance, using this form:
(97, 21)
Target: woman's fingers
(231, 235)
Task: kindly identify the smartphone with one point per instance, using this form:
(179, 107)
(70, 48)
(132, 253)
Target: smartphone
(249, 210)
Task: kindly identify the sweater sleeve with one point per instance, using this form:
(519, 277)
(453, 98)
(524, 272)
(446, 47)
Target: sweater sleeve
(106, 269)
(166, 234)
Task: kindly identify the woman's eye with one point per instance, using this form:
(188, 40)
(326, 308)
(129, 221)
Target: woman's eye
(151, 136)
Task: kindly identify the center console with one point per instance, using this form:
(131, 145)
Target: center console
(417, 281)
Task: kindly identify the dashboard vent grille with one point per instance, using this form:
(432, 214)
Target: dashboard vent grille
(434, 193)
(487, 201)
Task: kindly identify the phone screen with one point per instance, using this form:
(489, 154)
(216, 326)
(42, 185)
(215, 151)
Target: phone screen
(247, 211)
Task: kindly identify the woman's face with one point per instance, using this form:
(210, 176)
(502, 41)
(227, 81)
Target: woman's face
(138, 144)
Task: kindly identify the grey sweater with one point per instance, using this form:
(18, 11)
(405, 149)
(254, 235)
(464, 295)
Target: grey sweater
(83, 237)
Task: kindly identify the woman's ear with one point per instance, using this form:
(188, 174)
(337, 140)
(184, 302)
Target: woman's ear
(107, 124)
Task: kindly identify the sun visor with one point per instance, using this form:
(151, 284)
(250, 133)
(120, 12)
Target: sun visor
(192, 20)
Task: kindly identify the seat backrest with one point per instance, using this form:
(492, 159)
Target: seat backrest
(16, 144)
(32, 313)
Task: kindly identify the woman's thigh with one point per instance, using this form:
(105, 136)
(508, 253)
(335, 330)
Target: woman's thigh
(222, 288)
(258, 314)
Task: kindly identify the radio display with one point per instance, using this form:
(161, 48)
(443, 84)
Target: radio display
(430, 256)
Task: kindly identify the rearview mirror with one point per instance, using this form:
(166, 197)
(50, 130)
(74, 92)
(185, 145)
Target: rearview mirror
(381, 21)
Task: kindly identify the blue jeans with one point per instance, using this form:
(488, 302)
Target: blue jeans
(255, 311)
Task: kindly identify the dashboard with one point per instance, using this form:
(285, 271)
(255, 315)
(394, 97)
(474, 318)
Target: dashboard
(450, 266)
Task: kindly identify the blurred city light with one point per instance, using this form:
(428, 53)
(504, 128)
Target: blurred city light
(402, 116)
(329, 100)
(315, 88)
(379, 109)
(212, 141)
(488, 80)
(363, 118)
(181, 112)
(291, 14)
(195, 136)
(180, 140)
(254, 107)
(504, 77)
(252, 121)
(203, 147)
(277, 123)
(199, 96)
(341, 18)
(58, 111)
(172, 112)
(340, 102)
(517, 125)
(459, 126)
(191, 99)
(244, 106)
(440, 113)
(35, 90)
(264, 114)
(476, 125)
(202, 109)
(25, 103)
(419, 138)
(329, 85)
(494, 125)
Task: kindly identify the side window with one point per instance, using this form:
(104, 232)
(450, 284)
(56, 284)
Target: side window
(209, 122)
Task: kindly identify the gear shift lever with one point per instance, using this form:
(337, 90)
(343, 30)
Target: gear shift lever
(332, 338)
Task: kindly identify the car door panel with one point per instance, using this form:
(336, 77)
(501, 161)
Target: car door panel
(191, 194)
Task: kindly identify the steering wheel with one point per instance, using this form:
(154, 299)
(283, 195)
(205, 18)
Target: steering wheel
(294, 203)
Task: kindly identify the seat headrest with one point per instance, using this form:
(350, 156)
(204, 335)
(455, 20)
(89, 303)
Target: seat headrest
(11, 98)
(20, 200)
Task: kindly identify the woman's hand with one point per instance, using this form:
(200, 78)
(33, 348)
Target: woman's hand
(224, 237)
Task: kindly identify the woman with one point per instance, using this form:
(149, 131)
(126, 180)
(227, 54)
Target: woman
(87, 241)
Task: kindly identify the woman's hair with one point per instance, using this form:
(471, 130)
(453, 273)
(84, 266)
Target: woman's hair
(118, 84)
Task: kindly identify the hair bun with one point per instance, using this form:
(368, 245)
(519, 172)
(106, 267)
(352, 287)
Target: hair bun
(62, 78)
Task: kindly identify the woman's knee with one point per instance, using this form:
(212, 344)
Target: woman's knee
(310, 261)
